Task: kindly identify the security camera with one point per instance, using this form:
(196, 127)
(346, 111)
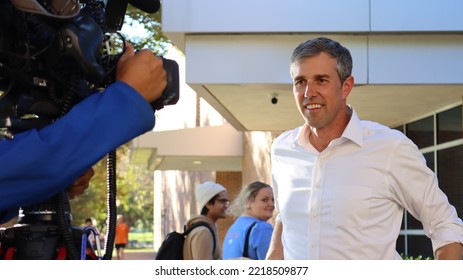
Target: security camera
(274, 98)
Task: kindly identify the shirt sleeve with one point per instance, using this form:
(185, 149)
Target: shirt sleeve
(416, 188)
(39, 163)
(274, 170)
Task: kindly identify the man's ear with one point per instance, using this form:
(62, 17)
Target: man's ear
(209, 204)
(347, 87)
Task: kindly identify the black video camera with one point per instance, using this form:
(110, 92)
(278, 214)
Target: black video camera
(54, 53)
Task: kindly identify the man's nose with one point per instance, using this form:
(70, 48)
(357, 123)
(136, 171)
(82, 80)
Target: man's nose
(308, 92)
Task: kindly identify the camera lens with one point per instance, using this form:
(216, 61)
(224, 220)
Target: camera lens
(274, 100)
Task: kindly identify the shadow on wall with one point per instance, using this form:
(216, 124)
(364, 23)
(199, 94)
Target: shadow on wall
(178, 201)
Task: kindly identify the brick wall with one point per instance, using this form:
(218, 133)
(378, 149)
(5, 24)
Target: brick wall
(232, 182)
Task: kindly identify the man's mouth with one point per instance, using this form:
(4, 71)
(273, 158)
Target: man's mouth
(313, 106)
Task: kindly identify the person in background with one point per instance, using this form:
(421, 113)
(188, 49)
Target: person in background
(342, 184)
(122, 237)
(201, 244)
(254, 206)
(92, 238)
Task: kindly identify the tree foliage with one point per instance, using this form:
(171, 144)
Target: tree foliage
(144, 30)
(134, 194)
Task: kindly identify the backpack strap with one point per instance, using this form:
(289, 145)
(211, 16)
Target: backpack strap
(246, 241)
(202, 224)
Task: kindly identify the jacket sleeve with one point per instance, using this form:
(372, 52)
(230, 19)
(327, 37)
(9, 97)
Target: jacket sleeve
(39, 163)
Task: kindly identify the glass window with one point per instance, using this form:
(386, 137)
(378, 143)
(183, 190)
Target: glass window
(450, 175)
(430, 160)
(400, 245)
(414, 246)
(421, 132)
(413, 223)
(449, 125)
(399, 128)
(419, 245)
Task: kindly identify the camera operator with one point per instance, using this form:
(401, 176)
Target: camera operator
(38, 163)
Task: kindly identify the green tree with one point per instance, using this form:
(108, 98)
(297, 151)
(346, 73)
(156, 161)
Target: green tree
(148, 30)
(134, 194)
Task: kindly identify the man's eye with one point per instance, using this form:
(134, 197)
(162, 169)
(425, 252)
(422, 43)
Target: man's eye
(299, 83)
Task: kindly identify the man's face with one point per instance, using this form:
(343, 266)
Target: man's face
(217, 209)
(318, 91)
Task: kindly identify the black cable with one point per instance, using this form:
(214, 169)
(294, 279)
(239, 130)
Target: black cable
(112, 207)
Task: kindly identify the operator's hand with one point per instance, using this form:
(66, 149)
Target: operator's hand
(81, 184)
(143, 71)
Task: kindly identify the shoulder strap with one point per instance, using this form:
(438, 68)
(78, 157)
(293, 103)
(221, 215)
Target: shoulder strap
(202, 224)
(246, 240)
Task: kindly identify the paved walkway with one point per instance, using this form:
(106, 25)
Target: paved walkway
(139, 256)
(135, 255)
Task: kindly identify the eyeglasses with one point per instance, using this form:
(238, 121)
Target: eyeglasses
(223, 200)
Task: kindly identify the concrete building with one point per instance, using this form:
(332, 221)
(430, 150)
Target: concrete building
(408, 57)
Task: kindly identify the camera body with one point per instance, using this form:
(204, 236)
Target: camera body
(48, 64)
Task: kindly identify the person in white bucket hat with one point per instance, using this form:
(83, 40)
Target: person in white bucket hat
(202, 242)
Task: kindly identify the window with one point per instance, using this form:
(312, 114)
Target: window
(450, 175)
(449, 125)
(421, 132)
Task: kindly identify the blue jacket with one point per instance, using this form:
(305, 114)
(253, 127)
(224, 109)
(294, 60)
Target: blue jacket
(37, 164)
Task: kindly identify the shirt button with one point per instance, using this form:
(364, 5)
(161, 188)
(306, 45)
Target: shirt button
(314, 245)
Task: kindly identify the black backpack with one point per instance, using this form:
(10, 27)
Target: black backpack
(172, 246)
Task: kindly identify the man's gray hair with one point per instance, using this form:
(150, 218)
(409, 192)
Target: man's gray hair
(313, 47)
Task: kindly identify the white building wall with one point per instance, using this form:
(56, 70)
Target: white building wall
(250, 16)
(240, 59)
(415, 59)
(262, 16)
(392, 42)
(416, 15)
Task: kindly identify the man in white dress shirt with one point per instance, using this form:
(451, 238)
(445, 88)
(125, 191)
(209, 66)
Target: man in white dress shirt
(341, 184)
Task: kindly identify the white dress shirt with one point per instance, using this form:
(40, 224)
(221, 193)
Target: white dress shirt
(348, 201)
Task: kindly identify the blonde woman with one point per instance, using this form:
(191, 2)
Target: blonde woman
(254, 206)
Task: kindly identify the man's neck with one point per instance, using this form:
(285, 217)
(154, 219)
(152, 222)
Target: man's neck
(212, 218)
(321, 138)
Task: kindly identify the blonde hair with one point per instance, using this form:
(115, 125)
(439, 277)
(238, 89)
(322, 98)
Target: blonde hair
(247, 195)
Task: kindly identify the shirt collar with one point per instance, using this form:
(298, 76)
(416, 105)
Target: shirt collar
(353, 130)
